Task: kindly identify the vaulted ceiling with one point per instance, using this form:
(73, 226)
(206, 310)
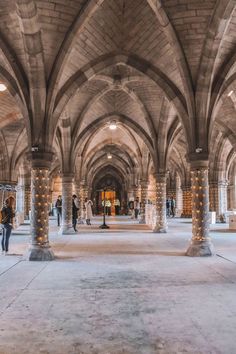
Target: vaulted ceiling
(163, 70)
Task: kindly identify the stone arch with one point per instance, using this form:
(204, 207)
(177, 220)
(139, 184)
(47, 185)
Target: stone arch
(28, 20)
(156, 75)
(126, 151)
(85, 13)
(4, 159)
(132, 95)
(217, 28)
(19, 98)
(92, 128)
(180, 59)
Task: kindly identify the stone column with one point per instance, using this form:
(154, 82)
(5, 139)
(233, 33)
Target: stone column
(79, 196)
(40, 249)
(144, 192)
(27, 193)
(67, 191)
(135, 192)
(222, 192)
(179, 201)
(82, 196)
(20, 201)
(232, 196)
(161, 220)
(200, 244)
(187, 202)
(218, 198)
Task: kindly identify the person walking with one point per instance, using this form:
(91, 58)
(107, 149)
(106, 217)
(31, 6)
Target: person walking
(75, 208)
(58, 206)
(167, 207)
(172, 206)
(7, 223)
(136, 208)
(88, 210)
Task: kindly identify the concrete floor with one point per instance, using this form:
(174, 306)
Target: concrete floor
(125, 290)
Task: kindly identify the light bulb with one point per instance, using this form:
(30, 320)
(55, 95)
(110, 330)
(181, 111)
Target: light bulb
(2, 87)
(113, 125)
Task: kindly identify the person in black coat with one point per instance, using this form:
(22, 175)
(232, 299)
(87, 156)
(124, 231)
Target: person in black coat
(7, 223)
(75, 208)
(58, 206)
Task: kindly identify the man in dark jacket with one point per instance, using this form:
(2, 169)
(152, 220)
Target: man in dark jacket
(7, 222)
(58, 206)
(75, 208)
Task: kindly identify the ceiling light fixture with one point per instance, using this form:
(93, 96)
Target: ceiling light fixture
(230, 93)
(2, 87)
(109, 155)
(113, 125)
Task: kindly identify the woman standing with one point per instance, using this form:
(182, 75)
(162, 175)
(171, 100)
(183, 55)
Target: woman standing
(88, 210)
(58, 206)
(7, 222)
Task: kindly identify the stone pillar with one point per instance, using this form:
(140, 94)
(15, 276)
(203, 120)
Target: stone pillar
(135, 192)
(179, 201)
(82, 196)
(27, 193)
(222, 190)
(20, 201)
(144, 193)
(187, 202)
(232, 196)
(218, 198)
(40, 249)
(161, 220)
(200, 244)
(67, 191)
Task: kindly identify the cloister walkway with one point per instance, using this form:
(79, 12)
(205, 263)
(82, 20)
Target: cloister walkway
(122, 290)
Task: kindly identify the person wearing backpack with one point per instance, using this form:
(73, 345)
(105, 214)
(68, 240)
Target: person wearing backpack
(75, 208)
(58, 206)
(7, 214)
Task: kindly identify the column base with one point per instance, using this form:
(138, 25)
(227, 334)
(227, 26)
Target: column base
(80, 222)
(66, 230)
(159, 230)
(142, 222)
(37, 253)
(200, 249)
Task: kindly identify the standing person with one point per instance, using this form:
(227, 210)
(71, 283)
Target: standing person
(136, 208)
(58, 206)
(88, 210)
(117, 206)
(75, 208)
(7, 222)
(168, 207)
(172, 206)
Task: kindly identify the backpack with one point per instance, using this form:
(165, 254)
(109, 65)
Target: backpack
(3, 216)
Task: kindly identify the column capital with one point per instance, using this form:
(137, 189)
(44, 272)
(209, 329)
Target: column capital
(67, 176)
(199, 164)
(41, 159)
(161, 177)
(198, 160)
(9, 183)
(144, 183)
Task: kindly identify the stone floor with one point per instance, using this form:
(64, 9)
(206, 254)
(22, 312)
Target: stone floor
(123, 290)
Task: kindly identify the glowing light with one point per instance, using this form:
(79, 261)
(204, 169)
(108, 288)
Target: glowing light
(109, 156)
(230, 93)
(113, 125)
(2, 87)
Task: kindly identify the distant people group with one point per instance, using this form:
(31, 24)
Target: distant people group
(87, 208)
(170, 207)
